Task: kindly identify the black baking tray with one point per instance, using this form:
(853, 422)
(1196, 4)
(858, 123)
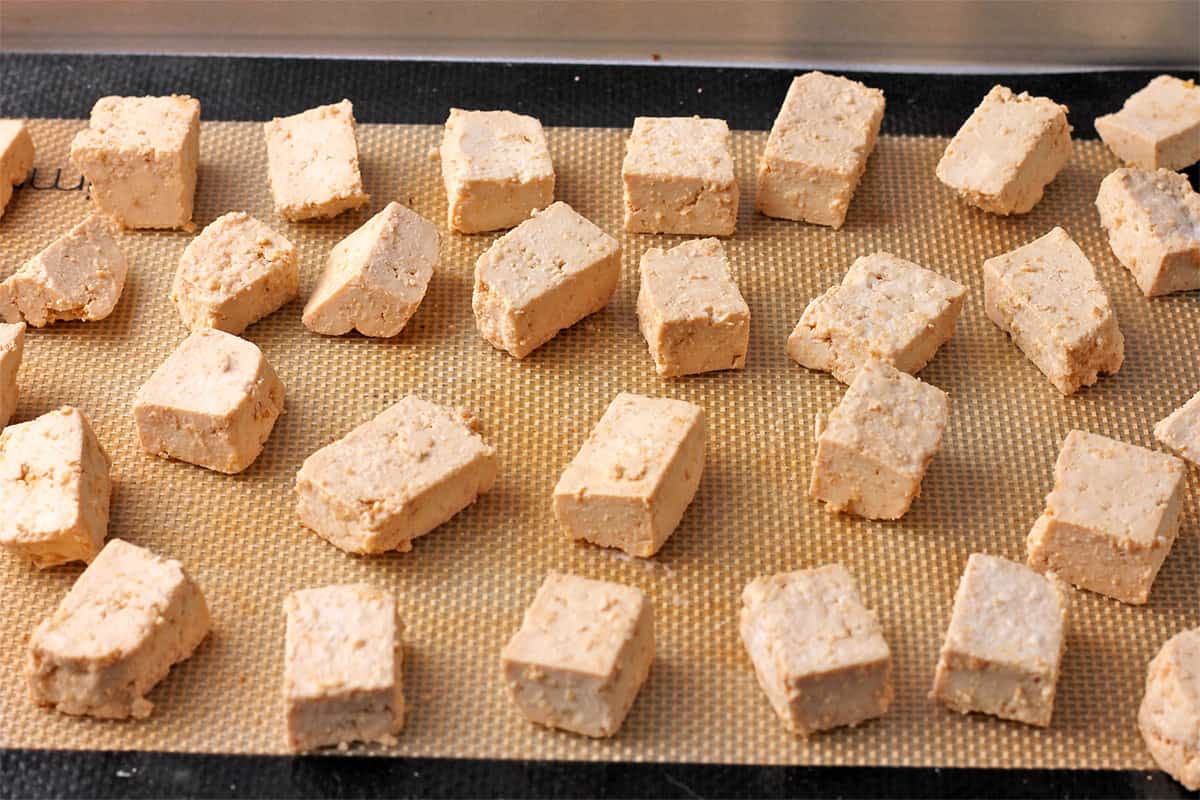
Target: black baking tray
(421, 92)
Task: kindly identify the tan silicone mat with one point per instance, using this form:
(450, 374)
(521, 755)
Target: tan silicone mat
(463, 588)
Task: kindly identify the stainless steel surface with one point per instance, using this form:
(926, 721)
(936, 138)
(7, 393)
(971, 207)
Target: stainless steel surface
(935, 34)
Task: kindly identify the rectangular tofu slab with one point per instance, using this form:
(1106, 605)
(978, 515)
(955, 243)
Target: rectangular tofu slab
(343, 666)
(873, 452)
(1046, 297)
(125, 622)
(233, 274)
(1003, 650)
(80, 276)
(678, 177)
(885, 308)
(581, 655)
(636, 474)
(1007, 152)
(395, 478)
(312, 162)
(1180, 430)
(55, 487)
(1170, 707)
(690, 311)
(548, 273)
(496, 168)
(1111, 518)
(1158, 127)
(16, 157)
(12, 350)
(140, 156)
(1153, 224)
(818, 148)
(818, 652)
(212, 403)
(376, 277)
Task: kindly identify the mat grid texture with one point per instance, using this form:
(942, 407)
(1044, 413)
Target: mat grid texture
(464, 587)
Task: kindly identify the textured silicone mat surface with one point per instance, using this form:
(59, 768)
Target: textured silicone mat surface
(464, 587)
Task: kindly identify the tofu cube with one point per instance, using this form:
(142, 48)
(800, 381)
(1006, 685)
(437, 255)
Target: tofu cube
(55, 485)
(212, 403)
(233, 274)
(312, 161)
(545, 275)
(1046, 297)
(1153, 224)
(12, 349)
(496, 168)
(343, 668)
(581, 655)
(1004, 646)
(873, 450)
(1180, 431)
(1111, 518)
(16, 157)
(129, 618)
(678, 176)
(376, 277)
(1158, 127)
(885, 308)
(140, 156)
(818, 652)
(80, 276)
(1171, 706)
(1007, 152)
(395, 478)
(690, 310)
(636, 474)
(818, 148)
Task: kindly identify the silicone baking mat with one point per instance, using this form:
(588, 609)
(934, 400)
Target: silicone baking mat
(464, 587)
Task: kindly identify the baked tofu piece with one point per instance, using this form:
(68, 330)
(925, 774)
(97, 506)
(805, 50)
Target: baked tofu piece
(312, 161)
(1046, 297)
(1111, 518)
(80, 276)
(233, 274)
(1153, 224)
(873, 450)
(1003, 649)
(129, 618)
(548, 273)
(1180, 431)
(678, 177)
(818, 652)
(636, 474)
(55, 487)
(818, 148)
(690, 311)
(140, 156)
(12, 349)
(16, 157)
(212, 403)
(496, 168)
(885, 308)
(376, 277)
(1007, 152)
(1169, 717)
(581, 655)
(395, 478)
(343, 666)
(1158, 127)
